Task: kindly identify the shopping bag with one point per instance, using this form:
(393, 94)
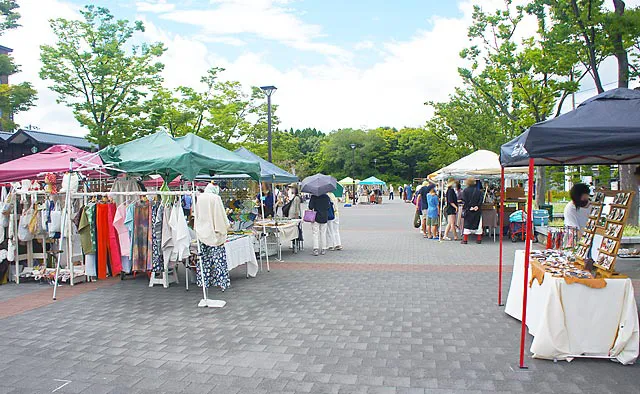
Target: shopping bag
(309, 216)
(23, 225)
(416, 220)
(11, 251)
(55, 222)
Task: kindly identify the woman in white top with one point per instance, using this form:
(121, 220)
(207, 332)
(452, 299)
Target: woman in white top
(576, 213)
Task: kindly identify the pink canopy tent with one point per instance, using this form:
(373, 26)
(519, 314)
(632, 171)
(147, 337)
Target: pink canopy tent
(54, 159)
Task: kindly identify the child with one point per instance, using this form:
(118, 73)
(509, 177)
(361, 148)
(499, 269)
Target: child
(433, 213)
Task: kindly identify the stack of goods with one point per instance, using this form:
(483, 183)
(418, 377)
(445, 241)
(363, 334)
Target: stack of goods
(559, 264)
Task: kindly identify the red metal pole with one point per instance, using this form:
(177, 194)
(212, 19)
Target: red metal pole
(501, 234)
(523, 331)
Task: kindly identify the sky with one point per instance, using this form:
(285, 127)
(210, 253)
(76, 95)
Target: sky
(336, 63)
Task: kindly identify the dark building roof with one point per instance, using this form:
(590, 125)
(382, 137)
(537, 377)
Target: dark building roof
(5, 135)
(22, 136)
(5, 49)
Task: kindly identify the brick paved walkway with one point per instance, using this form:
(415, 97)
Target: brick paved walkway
(392, 313)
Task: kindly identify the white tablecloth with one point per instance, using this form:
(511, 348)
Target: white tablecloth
(574, 320)
(240, 251)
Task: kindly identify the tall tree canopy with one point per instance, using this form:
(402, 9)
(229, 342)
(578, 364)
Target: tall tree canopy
(100, 74)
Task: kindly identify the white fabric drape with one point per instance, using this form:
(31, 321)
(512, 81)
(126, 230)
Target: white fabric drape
(211, 222)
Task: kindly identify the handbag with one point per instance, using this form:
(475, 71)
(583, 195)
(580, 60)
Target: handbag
(332, 212)
(286, 208)
(309, 216)
(55, 222)
(417, 221)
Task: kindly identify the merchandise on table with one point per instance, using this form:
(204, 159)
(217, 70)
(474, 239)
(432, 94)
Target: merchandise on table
(560, 264)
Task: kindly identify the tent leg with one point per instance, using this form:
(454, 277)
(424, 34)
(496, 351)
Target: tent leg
(440, 235)
(501, 234)
(63, 221)
(264, 232)
(525, 287)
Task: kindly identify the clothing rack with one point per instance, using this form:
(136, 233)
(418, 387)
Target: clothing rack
(205, 302)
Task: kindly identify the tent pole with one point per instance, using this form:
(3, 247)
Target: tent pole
(501, 234)
(63, 220)
(525, 287)
(264, 230)
(193, 205)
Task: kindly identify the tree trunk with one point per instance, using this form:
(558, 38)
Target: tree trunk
(627, 179)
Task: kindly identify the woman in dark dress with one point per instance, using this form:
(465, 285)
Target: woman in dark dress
(452, 210)
(472, 198)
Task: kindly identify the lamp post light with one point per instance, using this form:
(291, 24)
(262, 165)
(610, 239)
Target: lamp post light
(353, 150)
(269, 90)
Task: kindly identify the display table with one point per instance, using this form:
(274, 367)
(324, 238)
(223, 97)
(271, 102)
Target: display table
(277, 235)
(573, 320)
(240, 251)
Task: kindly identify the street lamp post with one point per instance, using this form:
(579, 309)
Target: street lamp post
(353, 150)
(269, 90)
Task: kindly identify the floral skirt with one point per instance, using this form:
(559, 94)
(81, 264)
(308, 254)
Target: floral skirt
(214, 265)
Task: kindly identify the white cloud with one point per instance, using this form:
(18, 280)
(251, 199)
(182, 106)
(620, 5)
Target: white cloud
(363, 45)
(266, 19)
(155, 6)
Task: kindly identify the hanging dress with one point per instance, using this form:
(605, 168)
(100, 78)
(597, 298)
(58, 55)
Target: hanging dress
(123, 237)
(87, 231)
(157, 258)
(102, 227)
(140, 240)
(115, 255)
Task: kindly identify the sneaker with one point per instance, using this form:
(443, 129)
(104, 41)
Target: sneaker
(323, 252)
(446, 239)
(339, 247)
(463, 242)
(316, 252)
(330, 247)
(479, 241)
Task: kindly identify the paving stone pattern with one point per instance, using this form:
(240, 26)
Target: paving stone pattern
(308, 326)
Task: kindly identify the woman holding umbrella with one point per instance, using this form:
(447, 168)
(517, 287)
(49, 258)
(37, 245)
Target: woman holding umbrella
(318, 186)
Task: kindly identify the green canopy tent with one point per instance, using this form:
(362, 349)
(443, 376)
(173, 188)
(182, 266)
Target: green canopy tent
(188, 156)
(372, 180)
(339, 191)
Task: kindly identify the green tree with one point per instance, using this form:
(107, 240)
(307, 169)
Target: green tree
(13, 98)
(100, 74)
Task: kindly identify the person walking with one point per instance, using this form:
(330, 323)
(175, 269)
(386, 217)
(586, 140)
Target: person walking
(295, 210)
(390, 192)
(472, 199)
(433, 213)
(333, 225)
(407, 192)
(401, 192)
(459, 223)
(451, 211)
(321, 205)
(422, 205)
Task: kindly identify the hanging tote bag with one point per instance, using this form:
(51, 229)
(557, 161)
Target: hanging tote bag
(416, 220)
(332, 212)
(309, 216)
(55, 224)
(23, 225)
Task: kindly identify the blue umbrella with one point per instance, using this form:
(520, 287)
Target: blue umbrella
(318, 184)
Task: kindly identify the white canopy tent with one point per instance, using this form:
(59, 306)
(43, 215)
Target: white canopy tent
(481, 163)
